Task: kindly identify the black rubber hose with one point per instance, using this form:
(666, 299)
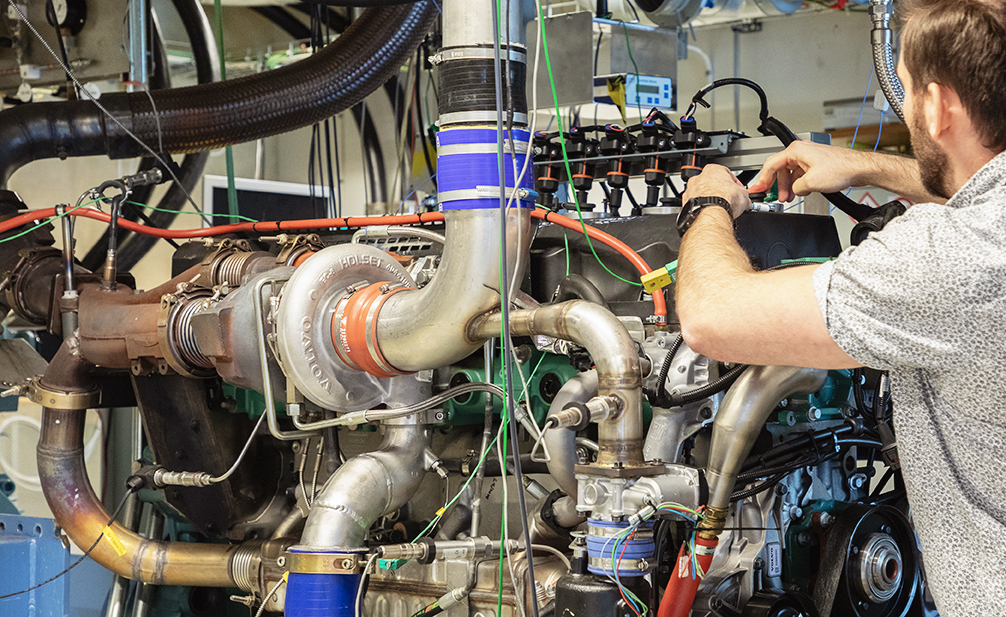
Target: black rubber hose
(665, 368)
(697, 394)
(210, 116)
(576, 286)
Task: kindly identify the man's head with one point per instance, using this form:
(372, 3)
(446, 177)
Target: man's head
(953, 50)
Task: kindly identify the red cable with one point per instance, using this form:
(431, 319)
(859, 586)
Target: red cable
(659, 305)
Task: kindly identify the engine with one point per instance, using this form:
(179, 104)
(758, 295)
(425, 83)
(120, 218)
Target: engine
(483, 407)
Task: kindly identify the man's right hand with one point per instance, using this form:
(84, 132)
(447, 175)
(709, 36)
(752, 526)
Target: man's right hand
(806, 167)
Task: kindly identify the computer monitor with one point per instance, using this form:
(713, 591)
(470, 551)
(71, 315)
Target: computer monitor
(265, 200)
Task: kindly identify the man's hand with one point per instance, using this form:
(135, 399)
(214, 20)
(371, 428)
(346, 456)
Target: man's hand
(717, 181)
(806, 167)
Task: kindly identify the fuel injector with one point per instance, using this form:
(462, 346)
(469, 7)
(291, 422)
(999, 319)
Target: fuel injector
(580, 147)
(548, 165)
(616, 142)
(689, 137)
(653, 140)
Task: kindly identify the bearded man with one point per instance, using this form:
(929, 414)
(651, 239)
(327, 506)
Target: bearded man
(924, 299)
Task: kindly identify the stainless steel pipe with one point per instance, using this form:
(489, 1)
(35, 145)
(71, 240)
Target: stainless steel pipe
(740, 418)
(435, 318)
(367, 487)
(560, 443)
(79, 512)
(620, 439)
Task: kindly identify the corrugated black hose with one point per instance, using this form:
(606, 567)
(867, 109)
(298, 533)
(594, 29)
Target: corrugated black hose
(215, 115)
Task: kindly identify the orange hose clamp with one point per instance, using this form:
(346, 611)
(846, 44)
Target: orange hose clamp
(354, 329)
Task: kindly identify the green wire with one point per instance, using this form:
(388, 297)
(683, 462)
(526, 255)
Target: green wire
(628, 48)
(232, 192)
(230, 216)
(565, 239)
(565, 156)
(46, 222)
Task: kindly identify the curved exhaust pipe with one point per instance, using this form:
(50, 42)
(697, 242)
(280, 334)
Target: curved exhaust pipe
(593, 327)
(79, 512)
(740, 418)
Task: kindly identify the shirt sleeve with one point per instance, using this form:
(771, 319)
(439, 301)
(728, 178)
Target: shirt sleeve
(899, 300)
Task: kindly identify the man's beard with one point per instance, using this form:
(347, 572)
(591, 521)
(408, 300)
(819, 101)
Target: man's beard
(933, 163)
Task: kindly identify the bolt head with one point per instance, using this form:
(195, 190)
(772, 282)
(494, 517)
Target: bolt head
(348, 564)
(281, 561)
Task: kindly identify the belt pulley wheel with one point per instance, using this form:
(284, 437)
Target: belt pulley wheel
(870, 566)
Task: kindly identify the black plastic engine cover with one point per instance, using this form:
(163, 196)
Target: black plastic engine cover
(768, 238)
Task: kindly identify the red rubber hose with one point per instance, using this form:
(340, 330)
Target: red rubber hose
(679, 595)
(659, 305)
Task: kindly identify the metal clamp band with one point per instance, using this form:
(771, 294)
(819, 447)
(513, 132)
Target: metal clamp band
(520, 147)
(460, 53)
(624, 565)
(57, 399)
(322, 563)
(487, 118)
(484, 192)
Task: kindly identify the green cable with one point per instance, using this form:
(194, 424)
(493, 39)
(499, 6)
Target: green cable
(46, 222)
(565, 156)
(230, 216)
(565, 239)
(628, 48)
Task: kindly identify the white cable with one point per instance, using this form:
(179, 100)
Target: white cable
(265, 600)
(357, 608)
(9, 468)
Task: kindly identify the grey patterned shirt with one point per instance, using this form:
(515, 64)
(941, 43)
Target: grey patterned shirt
(926, 299)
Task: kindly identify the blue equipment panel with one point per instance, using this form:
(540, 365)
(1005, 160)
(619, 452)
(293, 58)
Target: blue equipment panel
(32, 552)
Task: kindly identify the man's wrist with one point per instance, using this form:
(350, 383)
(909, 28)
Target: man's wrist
(694, 207)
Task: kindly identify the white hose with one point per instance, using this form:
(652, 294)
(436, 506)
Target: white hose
(31, 481)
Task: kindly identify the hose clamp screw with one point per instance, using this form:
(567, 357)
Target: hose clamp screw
(348, 564)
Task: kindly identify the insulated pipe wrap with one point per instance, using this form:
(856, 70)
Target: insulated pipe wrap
(212, 116)
(221, 114)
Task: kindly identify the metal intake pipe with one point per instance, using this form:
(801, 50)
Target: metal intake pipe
(740, 418)
(620, 438)
(436, 318)
(881, 12)
(79, 512)
(367, 487)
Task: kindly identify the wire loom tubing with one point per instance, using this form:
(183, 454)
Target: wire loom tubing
(215, 115)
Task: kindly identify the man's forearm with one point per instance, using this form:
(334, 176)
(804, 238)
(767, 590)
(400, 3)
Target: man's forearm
(897, 174)
(709, 260)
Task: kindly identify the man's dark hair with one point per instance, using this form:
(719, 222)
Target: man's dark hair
(961, 44)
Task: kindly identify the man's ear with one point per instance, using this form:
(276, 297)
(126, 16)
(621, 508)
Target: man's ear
(943, 109)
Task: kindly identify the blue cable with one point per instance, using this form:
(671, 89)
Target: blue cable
(438, 7)
(880, 131)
